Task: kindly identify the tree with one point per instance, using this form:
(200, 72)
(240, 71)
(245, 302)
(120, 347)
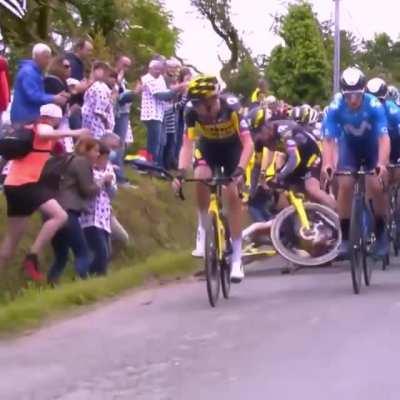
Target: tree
(243, 80)
(298, 70)
(138, 28)
(217, 12)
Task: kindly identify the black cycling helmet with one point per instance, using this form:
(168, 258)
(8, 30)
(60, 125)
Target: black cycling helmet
(352, 80)
(257, 118)
(203, 87)
(378, 88)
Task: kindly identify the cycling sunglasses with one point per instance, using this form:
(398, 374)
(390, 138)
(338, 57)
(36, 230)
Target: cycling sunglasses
(353, 94)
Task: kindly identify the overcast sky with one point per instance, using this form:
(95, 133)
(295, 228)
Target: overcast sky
(200, 45)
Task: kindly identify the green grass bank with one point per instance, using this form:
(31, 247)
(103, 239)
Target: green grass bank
(161, 228)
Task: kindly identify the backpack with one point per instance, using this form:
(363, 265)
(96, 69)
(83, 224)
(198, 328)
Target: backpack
(16, 141)
(54, 170)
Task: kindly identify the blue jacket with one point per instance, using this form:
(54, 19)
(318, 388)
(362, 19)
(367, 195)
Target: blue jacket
(29, 94)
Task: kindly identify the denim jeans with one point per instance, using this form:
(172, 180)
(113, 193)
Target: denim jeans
(98, 241)
(121, 129)
(154, 129)
(75, 118)
(258, 208)
(70, 237)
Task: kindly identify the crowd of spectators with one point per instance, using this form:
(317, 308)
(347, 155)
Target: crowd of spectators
(80, 111)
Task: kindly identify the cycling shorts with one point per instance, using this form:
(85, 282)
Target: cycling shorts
(353, 155)
(217, 154)
(302, 173)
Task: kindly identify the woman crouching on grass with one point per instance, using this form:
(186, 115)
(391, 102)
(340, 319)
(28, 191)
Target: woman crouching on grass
(96, 220)
(25, 193)
(77, 189)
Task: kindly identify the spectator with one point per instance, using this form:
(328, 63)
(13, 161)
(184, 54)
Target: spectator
(98, 107)
(154, 95)
(77, 190)
(29, 93)
(56, 82)
(259, 94)
(81, 53)
(123, 108)
(25, 192)
(185, 75)
(4, 87)
(97, 219)
(169, 135)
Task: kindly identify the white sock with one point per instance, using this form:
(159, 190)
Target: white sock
(237, 249)
(202, 217)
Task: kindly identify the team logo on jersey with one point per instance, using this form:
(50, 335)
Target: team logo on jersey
(375, 103)
(232, 100)
(358, 132)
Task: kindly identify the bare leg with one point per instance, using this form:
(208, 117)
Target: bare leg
(313, 189)
(57, 217)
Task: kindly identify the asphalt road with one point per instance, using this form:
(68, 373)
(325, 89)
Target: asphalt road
(299, 336)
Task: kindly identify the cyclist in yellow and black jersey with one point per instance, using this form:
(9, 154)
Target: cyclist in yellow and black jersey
(303, 155)
(223, 139)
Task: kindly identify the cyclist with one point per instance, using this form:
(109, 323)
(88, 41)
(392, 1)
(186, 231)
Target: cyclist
(224, 140)
(393, 94)
(355, 130)
(303, 154)
(308, 118)
(379, 89)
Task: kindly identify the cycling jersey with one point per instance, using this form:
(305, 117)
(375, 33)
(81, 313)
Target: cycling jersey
(228, 124)
(357, 131)
(393, 119)
(300, 146)
(219, 143)
(366, 123)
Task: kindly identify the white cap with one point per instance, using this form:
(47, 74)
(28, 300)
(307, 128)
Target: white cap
(270, 99)
(72, 82)
(51, 110)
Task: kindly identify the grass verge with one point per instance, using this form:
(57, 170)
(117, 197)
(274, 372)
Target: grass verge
(34, 306)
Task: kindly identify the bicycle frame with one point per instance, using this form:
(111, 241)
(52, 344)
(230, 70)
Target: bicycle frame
(215, 207)
(297, 202)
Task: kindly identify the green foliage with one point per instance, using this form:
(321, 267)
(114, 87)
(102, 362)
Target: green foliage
(137, 28)
(149, 214)
(298, 70)
(35, 305)
(243, 80)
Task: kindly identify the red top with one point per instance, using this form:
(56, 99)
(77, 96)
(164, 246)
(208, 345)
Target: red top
(28, 169)
(4, 85)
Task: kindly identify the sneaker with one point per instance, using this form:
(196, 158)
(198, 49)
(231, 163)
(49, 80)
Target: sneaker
(380, 248)
(31, 267)
(344, 250)
(237, 272)
(199, 251)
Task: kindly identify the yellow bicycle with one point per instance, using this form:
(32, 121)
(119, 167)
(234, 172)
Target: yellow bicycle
(218, 248)
(305, 233)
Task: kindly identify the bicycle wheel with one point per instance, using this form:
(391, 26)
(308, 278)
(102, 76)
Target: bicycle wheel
(226, 264)
(396, 233)
(291, 243)
(212, 266)
(356, 244)
(367, 269)
(368, 228)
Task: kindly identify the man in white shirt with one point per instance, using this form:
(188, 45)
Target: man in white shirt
(155, 94)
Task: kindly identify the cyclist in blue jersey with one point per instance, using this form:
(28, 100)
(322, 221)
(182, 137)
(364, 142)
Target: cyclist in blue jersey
(380, 90)
(356, 133)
